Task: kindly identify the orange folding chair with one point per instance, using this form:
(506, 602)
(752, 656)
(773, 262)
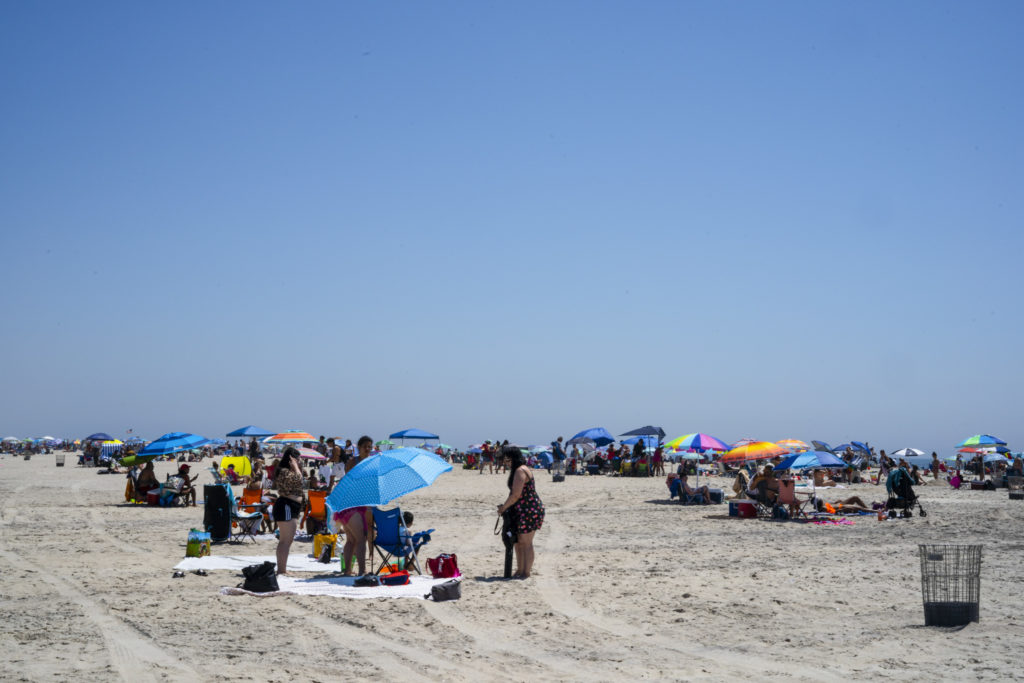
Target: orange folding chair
(315, 516)
(252, 501)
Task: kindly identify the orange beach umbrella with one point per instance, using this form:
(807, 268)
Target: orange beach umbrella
(759, 450)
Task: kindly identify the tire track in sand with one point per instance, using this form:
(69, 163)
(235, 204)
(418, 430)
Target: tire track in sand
(560, 599)
(132, 652)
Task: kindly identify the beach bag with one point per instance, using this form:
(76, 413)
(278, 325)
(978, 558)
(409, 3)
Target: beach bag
(367, 581)
(260, 578)
(780, 512)
(449, 590)
(325, 543)
(198, 543)
(444, 566)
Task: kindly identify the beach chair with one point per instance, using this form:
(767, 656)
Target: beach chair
(787, 497)
(252, 501)
(763, 502)
(314, 518)
(393, 540)
(170, 491)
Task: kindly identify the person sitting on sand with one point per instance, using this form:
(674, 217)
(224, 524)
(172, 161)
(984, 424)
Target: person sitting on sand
(188, 491)
(821, 479)
(915, 476)
(702, 491)
(232, 476)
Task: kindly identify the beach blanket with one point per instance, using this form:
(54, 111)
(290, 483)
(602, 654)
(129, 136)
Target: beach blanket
(296, 563)
(330, 584)
(342, 587)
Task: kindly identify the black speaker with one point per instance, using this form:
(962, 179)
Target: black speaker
(217, 512)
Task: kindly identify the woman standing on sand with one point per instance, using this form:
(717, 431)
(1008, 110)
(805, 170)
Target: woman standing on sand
(288, 482)
(357, 522)
(527, 509)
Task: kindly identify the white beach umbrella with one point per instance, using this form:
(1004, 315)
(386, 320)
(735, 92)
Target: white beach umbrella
(908, 453)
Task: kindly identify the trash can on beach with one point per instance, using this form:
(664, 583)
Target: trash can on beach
(950, 584)
(60, 460)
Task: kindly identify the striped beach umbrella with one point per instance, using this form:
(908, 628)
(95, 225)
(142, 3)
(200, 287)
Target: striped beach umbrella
(291, 436)
(697, 442)
(793, 444)
(759, 450)
(982, 440)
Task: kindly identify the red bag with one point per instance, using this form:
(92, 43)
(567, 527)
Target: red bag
(444, 566)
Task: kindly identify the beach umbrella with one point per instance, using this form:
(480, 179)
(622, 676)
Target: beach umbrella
(649, 441)
(744, 442)
(384, 442)
(981, 440)
(599, 435)
(310, 454)
(172, 442)
(545, 458)
(996, 457)
(759, 450)
(382, 478)
(250, 430)
(697, 442)
(413, 434)
(822, 446)
(793, 444)
(908, 453)
(291, 436)
(11, 439)
(99, 436)
(811, 460)
(581, 441)
(648, 430)
(985, 449)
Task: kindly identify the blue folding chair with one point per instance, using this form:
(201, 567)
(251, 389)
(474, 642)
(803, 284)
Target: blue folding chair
(393, 541)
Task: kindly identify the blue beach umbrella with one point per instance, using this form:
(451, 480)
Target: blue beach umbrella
(99, 436)
(172, 442)
(380, 479)
(981, 440)
(251, 430)
(599, 435)
(810, 460)
(649, 441)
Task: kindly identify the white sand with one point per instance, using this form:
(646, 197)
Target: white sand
(626, 586)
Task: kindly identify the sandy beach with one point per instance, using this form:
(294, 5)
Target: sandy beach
(627, 586)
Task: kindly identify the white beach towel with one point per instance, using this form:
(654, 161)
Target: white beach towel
(296, 563)
(342, 587)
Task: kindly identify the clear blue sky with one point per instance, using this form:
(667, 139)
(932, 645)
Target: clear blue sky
(513, 220)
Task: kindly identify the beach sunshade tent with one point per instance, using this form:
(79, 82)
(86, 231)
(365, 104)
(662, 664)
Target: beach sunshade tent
(759, 450)
(291, 436)
(243, 467)
(811, 460)
(981, 440)
(697, 442)
(599, 435)
(250, 430)
(649, 430)
(380, 479)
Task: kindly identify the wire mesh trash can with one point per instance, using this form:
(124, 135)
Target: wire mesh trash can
(60, 460)
(950, 584)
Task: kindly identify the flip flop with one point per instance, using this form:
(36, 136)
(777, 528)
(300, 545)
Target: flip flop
(178, 575)
(199, 572)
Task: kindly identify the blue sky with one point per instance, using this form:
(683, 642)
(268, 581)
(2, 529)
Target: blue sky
(513, 220)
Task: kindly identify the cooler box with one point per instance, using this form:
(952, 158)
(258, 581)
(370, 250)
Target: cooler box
(741, 509)
(717, 496)
(153, 497)
(978, 485)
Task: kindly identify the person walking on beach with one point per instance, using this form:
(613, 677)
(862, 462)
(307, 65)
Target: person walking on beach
(558, 453)
(288, 482)
(527, 508)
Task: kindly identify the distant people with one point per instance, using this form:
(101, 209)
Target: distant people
(558, 455)
(321, 446)
(528, 510)
(147, 481)
(884, 466)
(254, 449)
(659, 461)
(638, 455)
(915, 476)
(486, 457)
(334, 470)
(936, 466)
(288, 482)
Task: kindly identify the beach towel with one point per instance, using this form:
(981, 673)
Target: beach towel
(342, 587)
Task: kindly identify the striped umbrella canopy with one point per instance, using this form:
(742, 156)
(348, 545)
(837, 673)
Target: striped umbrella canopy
(291, 436)
(697, 442)
(984, 449)
(743, 442)
(310, 454)
(810, 460)
(793, 444)
(907, 453)
(759, 450)
(982, 440)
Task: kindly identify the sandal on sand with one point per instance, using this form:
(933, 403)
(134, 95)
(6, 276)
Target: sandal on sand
(178, 575)
(199, 572)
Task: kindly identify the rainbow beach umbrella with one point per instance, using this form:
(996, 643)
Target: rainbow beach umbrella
(291, 436)
(697, 442)
(981, 440)
(759, 450)
(793, 444)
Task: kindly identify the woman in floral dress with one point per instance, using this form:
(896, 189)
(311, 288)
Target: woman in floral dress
(525, 505)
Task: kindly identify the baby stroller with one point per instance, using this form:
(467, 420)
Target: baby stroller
(901, 494)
